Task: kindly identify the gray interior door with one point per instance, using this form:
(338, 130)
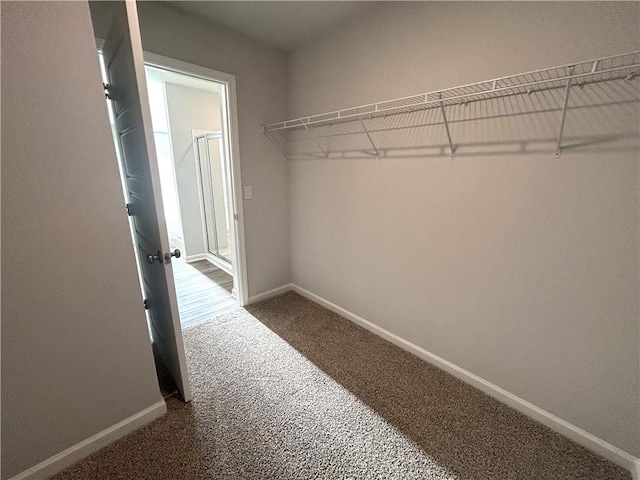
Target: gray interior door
(124, 64)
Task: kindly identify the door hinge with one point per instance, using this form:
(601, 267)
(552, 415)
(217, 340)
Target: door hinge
(146, 304)
(105, 87)
(235, 216)
(130, 209)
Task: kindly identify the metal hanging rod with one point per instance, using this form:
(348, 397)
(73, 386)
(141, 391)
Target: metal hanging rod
(616, 67)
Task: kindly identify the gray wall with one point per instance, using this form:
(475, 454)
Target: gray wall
(520, 268)
(76, 357)
(261, 92)
(187, 109)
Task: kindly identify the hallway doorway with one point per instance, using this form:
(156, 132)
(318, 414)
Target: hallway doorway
(191, 139)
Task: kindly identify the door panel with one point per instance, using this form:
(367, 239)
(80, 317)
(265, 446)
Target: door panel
(124, 64)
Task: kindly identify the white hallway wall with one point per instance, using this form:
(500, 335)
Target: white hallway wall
(261, 81)
(187, 109)
(521, 269)
(76, 356)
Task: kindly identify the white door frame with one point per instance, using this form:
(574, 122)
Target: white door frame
(230, 119)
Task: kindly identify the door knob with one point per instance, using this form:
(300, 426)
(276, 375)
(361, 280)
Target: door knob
(167, 256)
(154, 258)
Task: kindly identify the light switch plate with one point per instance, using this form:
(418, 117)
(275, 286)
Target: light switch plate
(248, 193)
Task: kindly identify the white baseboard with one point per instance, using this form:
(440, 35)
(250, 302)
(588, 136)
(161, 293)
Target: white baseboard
(271, 293)
(77, 452)
(195, 258)
(587, 440)
(221, 264)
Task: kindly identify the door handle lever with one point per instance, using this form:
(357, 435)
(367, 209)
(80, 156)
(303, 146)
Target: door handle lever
(167, 256)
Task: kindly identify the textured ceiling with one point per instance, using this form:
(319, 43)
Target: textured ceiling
(282, 25)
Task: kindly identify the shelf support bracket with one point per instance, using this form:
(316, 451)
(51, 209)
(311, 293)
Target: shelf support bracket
(373, 145)
(567, 91)
(452, 149)
(325, 154)
(275, 142)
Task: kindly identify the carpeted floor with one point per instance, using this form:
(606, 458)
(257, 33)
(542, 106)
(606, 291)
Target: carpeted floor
(288, 390)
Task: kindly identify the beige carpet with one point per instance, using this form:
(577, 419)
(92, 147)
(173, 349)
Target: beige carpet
(288, 390)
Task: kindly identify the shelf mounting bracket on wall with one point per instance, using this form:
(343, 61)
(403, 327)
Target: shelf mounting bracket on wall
(277, 145)
(452, 149)
(325, 153)
(373, 145)
(567, 91)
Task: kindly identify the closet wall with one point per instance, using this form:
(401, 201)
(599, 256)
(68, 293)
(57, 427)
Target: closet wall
(520, 268)
(76, 357)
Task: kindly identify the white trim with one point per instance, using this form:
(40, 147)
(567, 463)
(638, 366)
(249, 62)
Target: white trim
(271, 293)
(586, 439)
(239, 261)
(195, 258)
(221, 264)
(198, 164)
(80, 450)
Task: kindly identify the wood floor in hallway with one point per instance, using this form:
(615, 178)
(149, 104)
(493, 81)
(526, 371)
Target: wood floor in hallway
(203, 290)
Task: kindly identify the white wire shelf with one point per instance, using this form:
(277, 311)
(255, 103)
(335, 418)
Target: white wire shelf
(624, 67)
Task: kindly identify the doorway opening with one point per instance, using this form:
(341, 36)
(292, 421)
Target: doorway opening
(191, 137)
